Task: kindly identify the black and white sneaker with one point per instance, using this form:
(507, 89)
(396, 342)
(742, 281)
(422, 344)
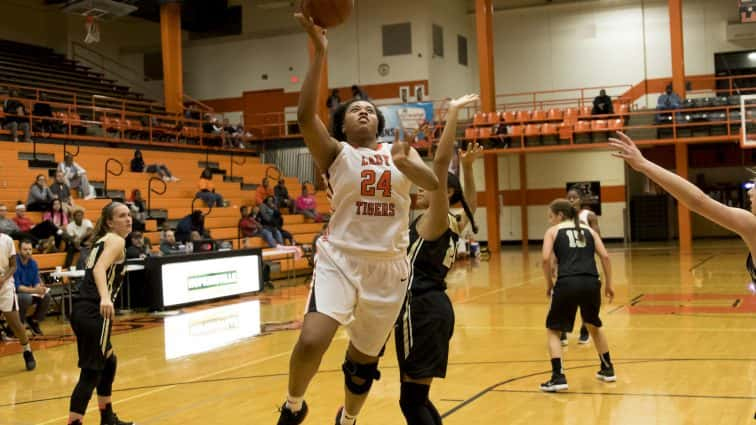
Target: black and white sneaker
(288, 417)
(606, 375)
(34, 326)
(563, 339)
(338, 416)
(31, 364)
(556, 383)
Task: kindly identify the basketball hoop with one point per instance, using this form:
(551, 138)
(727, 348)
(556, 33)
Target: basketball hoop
(93, 30)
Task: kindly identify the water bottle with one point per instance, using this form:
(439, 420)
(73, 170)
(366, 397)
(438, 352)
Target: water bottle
(189, 247)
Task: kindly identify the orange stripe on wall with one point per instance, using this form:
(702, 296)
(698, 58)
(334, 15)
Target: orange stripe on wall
(545, 196)
(230, 104)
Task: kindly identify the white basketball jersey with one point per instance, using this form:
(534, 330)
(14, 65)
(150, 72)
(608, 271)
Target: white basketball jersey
(583, 216)
(370, 199)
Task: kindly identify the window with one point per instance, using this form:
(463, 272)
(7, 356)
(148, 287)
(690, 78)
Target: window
(438, 41)
(397, 39)
(462, 50)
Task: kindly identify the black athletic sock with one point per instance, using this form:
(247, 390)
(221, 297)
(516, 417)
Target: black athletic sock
(606, 361)
(433, 412)
(413, 401)
(556, 366)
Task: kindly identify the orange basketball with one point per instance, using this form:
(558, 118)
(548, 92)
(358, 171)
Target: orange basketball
(327, 13)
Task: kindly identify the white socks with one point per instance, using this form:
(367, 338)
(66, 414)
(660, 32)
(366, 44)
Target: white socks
(27, 347)
(294, 403)
(346, 418)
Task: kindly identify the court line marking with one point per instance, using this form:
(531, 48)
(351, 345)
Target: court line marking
(702, 262)
(634, 328)
(218, 372)
(725, 397)
(485, 294)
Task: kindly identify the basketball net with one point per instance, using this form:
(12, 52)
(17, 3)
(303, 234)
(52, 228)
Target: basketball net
(93, 30)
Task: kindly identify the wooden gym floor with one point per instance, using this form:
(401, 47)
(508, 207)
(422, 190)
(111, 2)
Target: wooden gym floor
(682, 333)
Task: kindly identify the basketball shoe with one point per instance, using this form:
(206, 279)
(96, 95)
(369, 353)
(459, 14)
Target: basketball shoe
(291, 418)
(556, 383)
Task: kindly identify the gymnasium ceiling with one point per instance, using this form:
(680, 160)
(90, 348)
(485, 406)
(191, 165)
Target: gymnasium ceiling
(517, 4)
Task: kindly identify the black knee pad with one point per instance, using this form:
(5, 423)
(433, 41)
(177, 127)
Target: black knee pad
(105, 386)
(88, 380)
(368, 372)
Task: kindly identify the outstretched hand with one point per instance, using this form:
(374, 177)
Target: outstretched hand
(400, 149)
(463, 101)
(317, 34)
(627, 150)
(470, 154)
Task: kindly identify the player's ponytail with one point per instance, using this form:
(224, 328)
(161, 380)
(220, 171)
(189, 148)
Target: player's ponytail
(569, 212)
(458, 196)
(102, 228)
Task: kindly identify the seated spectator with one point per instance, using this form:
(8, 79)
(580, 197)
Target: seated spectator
(669, 100)
(138, 166)
(23, 222)
(602, 104)
(249, 227)
(76, 176)
(43, 110)
(7, 225)
(80, 231)
(168, 244)
(207, 190)
(138, 209)
(306, 205)
(358, 93)
(191, 227)
(58, 217)
(282, 195)
(271, 219)
(42, 234)
(30, 289)
(333, 101)
(40, 196)
(137, 246)
(263, 191)
(61, 191)
(16, 117)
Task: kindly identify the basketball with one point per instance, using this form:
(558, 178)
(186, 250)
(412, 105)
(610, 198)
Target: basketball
(327, 13)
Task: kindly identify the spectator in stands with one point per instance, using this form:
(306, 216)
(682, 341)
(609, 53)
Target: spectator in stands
(602, 104)
(42, 235)
(30, 289)
(58, 217)
(61, 191)
(282, 195)
(137, 246)
(168, 244)
(138, 209)
(263, 191)
(16, 118)
(669, 100)
(192, 223)
(306, 205)
(333, 101)
(358, 93)
(271, 219)
(80, 231)
(76, 176)
(207, 189)
(249, 226)
(23, 222)
(138, 166)
(43, 110)
(8, 226)
(40, 196)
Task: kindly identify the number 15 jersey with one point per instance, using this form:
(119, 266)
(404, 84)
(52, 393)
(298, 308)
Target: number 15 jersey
(370, 199)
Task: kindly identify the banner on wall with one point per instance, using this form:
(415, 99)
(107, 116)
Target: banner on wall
(747, 10)
(407, 116)
(590, 192)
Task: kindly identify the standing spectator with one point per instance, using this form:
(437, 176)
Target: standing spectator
(43, 110)
(30, 289)
(80, 231)
(40, 196)
(138, 166)
(76, 176)
(207, 189)
(602, 104)
(61, 191)
(282, 195)
(16, 118)
(358, 93)
(168, 245)
(306, 205)
(333, 101)
(8, 303)
(669, 100)
(263, 191)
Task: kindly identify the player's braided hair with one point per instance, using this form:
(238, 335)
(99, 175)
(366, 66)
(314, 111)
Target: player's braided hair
(452, 182)
(564, 207)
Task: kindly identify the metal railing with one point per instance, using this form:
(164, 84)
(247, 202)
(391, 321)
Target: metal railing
(151, 190)
(109, 171)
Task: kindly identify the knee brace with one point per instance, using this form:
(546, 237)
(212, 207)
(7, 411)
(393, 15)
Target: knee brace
(88, 380)
(366, 372)
(105, 386)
